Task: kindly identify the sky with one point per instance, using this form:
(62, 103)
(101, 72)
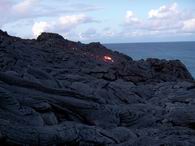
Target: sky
(105, 21)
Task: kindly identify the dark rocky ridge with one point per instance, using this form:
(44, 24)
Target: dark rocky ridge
(58, 92)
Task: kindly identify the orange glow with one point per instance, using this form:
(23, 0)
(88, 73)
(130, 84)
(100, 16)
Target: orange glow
(108, 58)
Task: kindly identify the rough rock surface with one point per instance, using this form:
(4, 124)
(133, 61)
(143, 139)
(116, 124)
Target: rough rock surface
(55, 92)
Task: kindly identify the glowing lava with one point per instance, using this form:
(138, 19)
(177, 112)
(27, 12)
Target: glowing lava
(108, 59)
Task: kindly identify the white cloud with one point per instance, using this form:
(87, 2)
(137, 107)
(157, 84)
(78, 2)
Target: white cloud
(12, 10)
(72, 20)
(130, 17)
(39, 27)
(67, 17)
(168, 19)
(24, 6)
(164, 11)
(63, 24)
(189, 25)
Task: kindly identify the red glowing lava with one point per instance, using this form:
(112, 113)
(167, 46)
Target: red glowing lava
(108, 59)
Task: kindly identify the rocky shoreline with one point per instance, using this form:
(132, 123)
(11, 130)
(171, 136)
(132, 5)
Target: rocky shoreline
(56, 92)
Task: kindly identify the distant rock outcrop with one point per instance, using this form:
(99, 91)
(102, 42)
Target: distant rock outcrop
(57, 92)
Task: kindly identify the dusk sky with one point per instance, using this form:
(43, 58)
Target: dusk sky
(106, 21)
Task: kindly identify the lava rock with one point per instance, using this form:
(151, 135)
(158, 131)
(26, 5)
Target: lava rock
(58, 92)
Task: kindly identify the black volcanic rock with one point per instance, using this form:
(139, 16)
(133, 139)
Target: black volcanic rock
(3, 33)
(49, 36)
(58, 92)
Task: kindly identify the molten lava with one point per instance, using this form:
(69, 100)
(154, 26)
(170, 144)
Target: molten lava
(108, 59)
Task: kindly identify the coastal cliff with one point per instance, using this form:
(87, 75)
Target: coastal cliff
(56, 92)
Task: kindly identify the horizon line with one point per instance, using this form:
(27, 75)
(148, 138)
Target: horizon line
(140, 42)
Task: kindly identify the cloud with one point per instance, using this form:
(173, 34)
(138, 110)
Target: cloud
(189, 25)
(40, 27)
(164, 11)
(44, 15)
(72, 20)
(12, 11)
(24, 7)
(63, 24)
(130, 17)
(168, 19)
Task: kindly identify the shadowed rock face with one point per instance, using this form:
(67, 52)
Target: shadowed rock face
(58, 92)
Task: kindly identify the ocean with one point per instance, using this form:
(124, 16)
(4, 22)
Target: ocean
(184, 51)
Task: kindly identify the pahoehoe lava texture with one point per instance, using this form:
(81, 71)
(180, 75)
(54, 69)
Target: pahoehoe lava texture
(56, 92)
